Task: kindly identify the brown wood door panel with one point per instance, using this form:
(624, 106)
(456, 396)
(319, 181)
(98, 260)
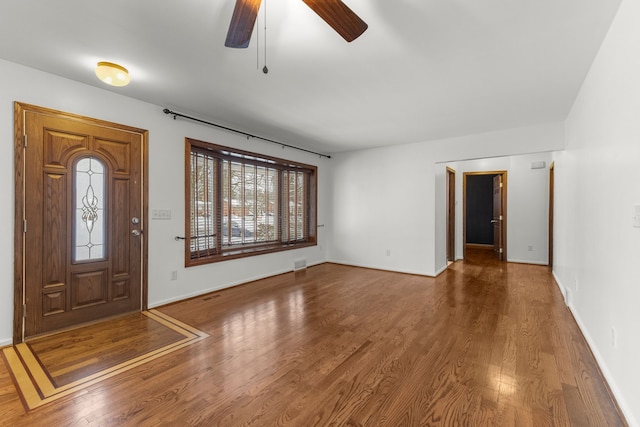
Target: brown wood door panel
(497, 216)
(53, 260)
(83, 185)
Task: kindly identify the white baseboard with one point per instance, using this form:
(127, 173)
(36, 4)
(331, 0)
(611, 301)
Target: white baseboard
(522, 261)
(5, 342)
(182, 297)
(562, 289)
(441, 270)
(615, 390)
(383, 268)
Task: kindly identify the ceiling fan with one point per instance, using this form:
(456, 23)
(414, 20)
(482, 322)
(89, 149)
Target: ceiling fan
(334, 12)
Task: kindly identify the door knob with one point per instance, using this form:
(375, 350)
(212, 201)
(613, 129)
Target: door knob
(136, 232)
(493, 221)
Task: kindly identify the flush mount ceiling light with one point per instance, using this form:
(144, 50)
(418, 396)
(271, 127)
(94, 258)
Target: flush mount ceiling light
(112, 74)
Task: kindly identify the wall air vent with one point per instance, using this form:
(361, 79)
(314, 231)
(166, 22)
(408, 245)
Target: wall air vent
(299, 264)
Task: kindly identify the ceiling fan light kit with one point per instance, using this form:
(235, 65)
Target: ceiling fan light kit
(334, 12)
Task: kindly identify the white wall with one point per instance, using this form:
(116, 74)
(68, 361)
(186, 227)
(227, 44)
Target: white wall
(382, 201)
(597, 250)
(527, 204)
(393, 198)
(166, 189)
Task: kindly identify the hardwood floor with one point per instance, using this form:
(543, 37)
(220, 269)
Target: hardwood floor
(51, 367)
(485, 343)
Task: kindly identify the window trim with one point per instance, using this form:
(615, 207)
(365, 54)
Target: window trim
(233, 154)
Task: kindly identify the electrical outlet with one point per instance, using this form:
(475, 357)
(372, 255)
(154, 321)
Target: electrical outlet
(388, 252)
(614, 338)
(174, 275)
(530, 248)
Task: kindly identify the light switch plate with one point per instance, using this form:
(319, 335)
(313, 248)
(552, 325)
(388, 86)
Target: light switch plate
(636, 216)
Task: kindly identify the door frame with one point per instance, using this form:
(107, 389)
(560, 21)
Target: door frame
(451, 214)
(551, 211)
(20, 110)
(503, 194)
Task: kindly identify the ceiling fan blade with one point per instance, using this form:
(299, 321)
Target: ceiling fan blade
(242, 22)
(339, 17)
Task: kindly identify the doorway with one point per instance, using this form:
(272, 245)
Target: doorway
(485, 212)
(80, 214)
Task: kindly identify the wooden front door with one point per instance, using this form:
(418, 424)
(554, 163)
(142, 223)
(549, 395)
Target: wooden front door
(497, 217)
(83, 218)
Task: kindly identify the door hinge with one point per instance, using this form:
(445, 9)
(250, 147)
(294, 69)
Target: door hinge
(500, 250)
(24, 310)
(501, 185)
(24, 225)
(24, 141)
(500, 217)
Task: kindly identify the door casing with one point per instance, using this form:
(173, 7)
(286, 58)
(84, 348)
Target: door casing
(551, 211)
(497, 221)
(20, 110)
(451, 214)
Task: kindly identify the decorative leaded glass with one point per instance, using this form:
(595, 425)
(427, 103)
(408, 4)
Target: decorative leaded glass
(89, 221)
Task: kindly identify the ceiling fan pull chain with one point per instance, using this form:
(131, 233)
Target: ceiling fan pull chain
(265, 69)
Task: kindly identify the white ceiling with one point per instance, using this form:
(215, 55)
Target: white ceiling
(424, 69)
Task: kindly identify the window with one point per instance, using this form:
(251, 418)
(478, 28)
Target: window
(241, 204)
(89, 219)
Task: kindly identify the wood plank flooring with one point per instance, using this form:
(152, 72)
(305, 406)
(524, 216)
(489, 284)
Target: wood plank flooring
(485, 343)
(51, 367)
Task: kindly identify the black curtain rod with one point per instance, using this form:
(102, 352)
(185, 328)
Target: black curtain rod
(248, 135)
